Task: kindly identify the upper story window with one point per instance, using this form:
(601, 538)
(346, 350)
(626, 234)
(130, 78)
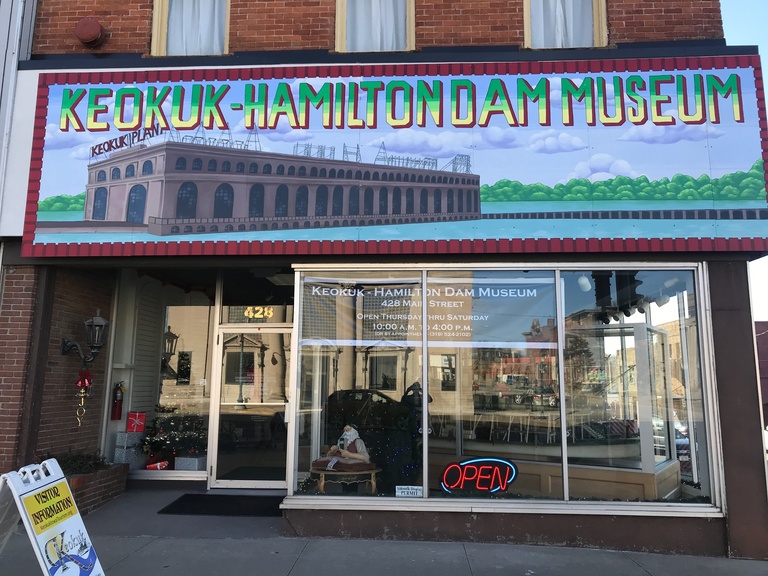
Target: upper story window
(375, 25)
(566, 24)
(190, 27)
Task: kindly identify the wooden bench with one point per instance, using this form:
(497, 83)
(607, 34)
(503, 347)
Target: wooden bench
(324, 475)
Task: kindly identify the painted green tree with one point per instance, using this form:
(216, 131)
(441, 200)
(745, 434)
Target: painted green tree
(62, 203)
(736, 186)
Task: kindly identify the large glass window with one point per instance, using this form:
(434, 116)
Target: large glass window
(516, 384)
(167, 377)
(177, 433)
(374, 25)
(566, 23)
(495, 334)
(359, 352)
(189, 27)
(633, 387)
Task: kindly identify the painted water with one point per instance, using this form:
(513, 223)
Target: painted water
(472, 229)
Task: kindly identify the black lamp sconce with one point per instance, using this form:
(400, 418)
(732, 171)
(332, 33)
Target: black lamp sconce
(170, 340)
(96, 331)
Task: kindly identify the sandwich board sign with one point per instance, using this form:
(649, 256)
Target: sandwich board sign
(45, 504)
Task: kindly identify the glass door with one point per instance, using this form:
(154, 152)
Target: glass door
(250, 429)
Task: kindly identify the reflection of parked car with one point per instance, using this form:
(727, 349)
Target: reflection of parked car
(515, 388)
(365, 409)
(545, 396)
(518, 389)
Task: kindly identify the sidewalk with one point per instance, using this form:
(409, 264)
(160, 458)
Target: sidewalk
(131, 538)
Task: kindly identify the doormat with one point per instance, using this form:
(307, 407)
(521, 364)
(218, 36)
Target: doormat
(223, 505)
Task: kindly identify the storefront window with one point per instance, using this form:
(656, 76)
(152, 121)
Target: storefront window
(478, 384)
(176, 435)
(497, 331)
(359, 352)
(633, 391)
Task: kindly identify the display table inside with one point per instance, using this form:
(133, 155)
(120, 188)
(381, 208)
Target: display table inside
(344, 477)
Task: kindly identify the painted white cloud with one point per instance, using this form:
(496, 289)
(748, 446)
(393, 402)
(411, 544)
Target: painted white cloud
(284, 133)
(81, 152)
(602, 167)
(281, 133)
(446, 144)
(552, 142)
(556, 93)
(55, 139)
(650, 133)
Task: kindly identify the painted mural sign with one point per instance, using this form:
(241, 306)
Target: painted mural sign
(253, 160)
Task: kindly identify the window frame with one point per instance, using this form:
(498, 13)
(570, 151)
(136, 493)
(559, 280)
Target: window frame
(712, 452)
(341, 27)
(159, 44)
(599, 26)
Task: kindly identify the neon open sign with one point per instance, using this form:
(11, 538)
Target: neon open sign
(480, 474)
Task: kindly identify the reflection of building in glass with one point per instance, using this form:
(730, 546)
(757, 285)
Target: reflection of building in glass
(184, 188)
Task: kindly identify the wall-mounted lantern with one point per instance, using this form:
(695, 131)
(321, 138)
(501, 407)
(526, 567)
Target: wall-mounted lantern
(96, 331)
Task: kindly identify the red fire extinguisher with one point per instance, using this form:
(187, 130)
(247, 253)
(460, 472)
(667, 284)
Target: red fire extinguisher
(117, 401)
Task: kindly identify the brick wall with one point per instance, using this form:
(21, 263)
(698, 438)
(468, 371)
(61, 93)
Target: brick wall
(77, 297)
(128, 24)
(310, 24)
(472, 23)
(17, 302)
(635, 21)
(282, 25)
(78, 294)
(97, 488)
